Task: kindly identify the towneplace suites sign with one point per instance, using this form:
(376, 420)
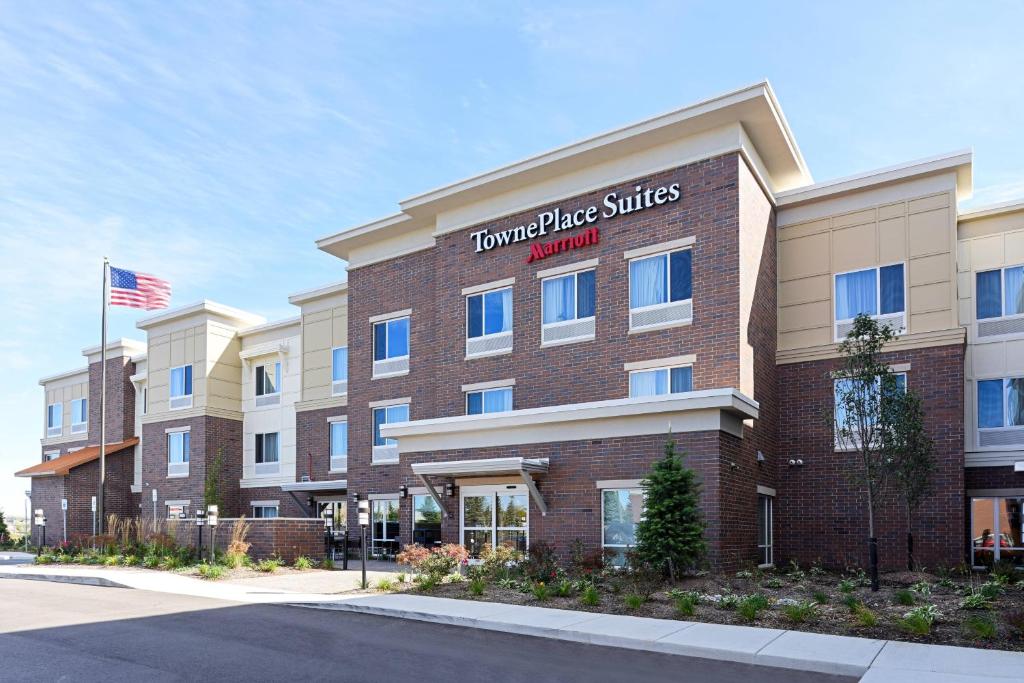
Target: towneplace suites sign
(557, 221)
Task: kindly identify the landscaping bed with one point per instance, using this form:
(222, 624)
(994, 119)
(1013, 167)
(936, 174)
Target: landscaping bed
(965, 609)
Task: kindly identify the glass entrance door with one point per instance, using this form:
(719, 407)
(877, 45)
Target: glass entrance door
(494, 515)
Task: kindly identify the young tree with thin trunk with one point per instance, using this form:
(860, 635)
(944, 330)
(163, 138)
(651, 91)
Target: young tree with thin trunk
(670, 536)
(858, 418)
(908, 455)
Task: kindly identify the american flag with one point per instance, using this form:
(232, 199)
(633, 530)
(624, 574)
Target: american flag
(138, 290)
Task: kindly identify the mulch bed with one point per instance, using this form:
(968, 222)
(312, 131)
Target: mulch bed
(833, 616)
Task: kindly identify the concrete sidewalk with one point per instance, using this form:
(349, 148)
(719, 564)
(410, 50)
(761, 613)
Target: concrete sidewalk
(875, 660)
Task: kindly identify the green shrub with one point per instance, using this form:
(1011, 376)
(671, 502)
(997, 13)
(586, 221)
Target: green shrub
(211, 571)
(946, 582)
(922, 588)
(774, 583)
(302, 563)
(385, 585)
(1004, 572)
(980, 627)
(501, 561)
(751, 605)
(686, 605)
(541, 591)
(820, 597)
(564, 588)
(44, 558)
(634, 601)
(427, 582)
(852, 602)
(268, 565)
(729, 601)
(477, 585)
(590, 596)
(904, 597)
(1015, 620)
(865, 617)
(802, 612)
(328, 563)
(919, 620)
(401, 577)
(975, 600)
(151, 561)
(847, 586)
(992, 589)
(129, 560)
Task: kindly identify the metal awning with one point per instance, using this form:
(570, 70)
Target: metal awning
(325, 485)
(521, 467)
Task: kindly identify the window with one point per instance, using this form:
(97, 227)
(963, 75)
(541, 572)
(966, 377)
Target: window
(489, 401)
(661, 289)
(339, 446)
(178, 447)
(765, 512)
(268, 379)
(177, 511)
(52, 455)
(386, 450)
(54, 419)
(493, 516)
(1000, 293)
(426, 521)
(1001, 412)
(264, 511)
(334, 513)
(391, 347)
(878, 292)
(621, 509)
(489, 313)
(385, 526)
(844, 388)
(79, 415)
(181, 387)
(267, 456)
(568, 305)
(660, 381)
(339, 370)
(997, 531)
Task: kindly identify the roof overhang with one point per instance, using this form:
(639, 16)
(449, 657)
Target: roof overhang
(992, 210)
(234, 317)
(484, 467)
(754, 108)
(710, 410)
(308, 295)
(325, 485)
(63, 465)
(70, 374)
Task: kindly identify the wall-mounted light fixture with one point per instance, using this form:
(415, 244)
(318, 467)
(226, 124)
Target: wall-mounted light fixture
(449, 489)
(403, 491)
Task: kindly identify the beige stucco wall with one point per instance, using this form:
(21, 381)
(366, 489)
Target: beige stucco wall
(986, 244)
(65, 390)
(324, 327)
(918, 230)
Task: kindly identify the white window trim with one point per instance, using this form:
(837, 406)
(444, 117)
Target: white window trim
(488, 287)
(336, 389)
(849, 448)
(83, 426)
(258, 504)
(390, 402)
(659, 363)
(52, 455)
(384, 526)
(186, 463)
(836, 322)
(385, 454)
(496, 384)
(771, 525)
(384, 317)
(1006, 407)
(56, 429)
(631, 490)
(264, 503)
(654, 251)
(485, 335)
(373, 334)
(660, 248)
(190, 396)
(275, 364)
(331, 421)
(1002, 295)
(589, 264)
(571, 321)
(267, 470)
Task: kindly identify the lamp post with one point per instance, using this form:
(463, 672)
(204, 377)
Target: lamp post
(364, 521)
(28, 524)
(212, 513)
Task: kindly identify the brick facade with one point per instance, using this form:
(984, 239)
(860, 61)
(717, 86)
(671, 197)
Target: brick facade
(120, 400)
(208, 436)
(820, 514)
(286, 538)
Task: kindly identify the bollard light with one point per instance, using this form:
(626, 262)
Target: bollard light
(364, 513)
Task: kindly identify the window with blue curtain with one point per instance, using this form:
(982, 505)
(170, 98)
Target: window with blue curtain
(989, 294)
(181, 381)
(489, 401)
(660, 381)
(339, 364)
(661, 279)
(990, 403)
(391, 339)
(388, 415)
(489, 313)
(569, 297)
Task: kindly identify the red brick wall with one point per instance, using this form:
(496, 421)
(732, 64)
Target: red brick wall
(208, 435)
(83, 484)
(47, 493)
(286, 538)
(993, 478)
(820, 515)
(120, 400)
(313, 444)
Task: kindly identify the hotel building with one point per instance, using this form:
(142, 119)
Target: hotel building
(510, 353)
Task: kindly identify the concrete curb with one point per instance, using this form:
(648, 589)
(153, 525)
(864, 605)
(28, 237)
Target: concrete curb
(61, 578)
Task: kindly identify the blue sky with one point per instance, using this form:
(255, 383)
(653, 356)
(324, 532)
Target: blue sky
(211, 143)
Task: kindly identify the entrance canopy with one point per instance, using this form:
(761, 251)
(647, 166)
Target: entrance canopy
(521, 467)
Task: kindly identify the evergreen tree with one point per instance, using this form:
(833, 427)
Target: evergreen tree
(671, 534)
(5, 534)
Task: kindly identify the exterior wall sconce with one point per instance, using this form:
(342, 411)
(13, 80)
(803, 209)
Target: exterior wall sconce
(760, 456)
(403, 491)
(796, 463)
(449, 489)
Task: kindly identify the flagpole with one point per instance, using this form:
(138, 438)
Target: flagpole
(103, 399)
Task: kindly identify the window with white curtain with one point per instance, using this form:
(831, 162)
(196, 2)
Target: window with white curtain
(569, 297)
(872, 291)
(385, 450)
(489, 401)
(79, 415)
(178, 447)
(489, 313)
(1001, 403)
(264, 511)
(660, 381)
(339, 445)
(181, 387)
(660, 279)
(268, 379)
(267, 453)
(1000, 293)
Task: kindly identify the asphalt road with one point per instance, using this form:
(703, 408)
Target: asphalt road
(62, 632)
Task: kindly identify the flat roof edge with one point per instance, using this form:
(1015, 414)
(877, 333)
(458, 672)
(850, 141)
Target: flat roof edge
(997, 209)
